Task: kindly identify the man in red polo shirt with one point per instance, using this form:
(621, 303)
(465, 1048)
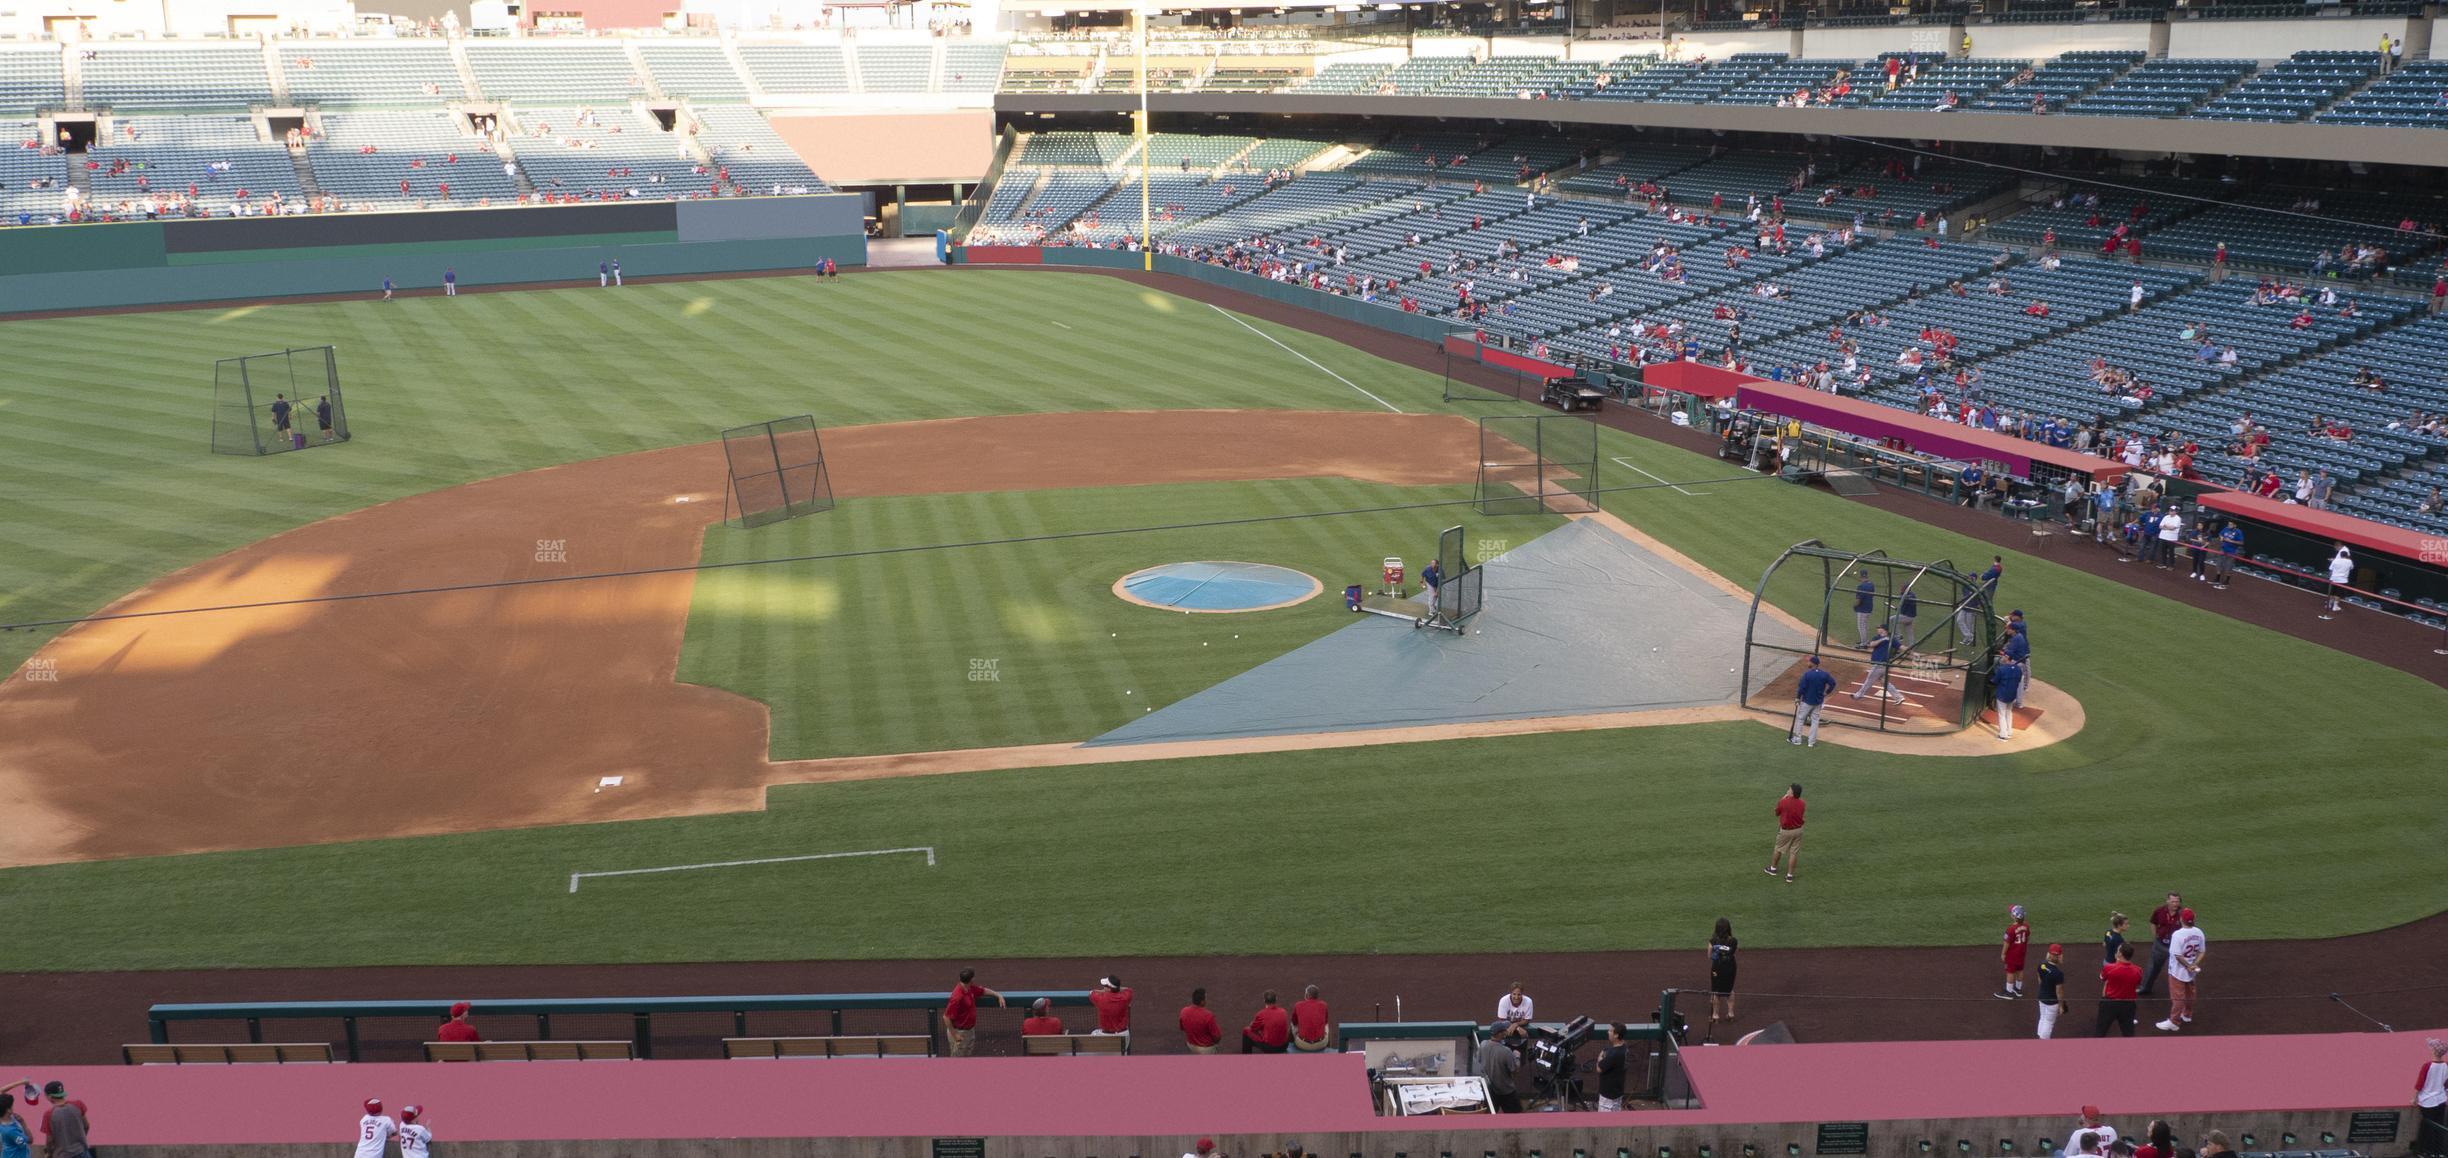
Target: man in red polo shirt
(2119, 981)
(1269, 1030)
(1112, 1001)
(1309, 1020)
(1041, 1021)
(960, 1013)
(1198, 1024)
(1789, 833)
(458, 1028)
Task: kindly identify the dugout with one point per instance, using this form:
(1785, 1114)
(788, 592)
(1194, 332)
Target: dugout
(1805, 605)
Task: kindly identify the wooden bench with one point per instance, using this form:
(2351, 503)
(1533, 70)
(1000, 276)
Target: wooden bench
(530, 1051)
(236, 1053)
(878, 1045)
(1075, 1044)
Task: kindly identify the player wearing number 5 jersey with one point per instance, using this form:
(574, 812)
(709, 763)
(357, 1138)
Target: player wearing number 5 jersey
(374, 1130)
(415, 1140)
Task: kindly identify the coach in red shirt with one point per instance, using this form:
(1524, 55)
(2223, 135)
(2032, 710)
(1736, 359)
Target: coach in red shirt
(458, 1028)
(2119, 981)
(960, 1013)
(1198, 1024)
(1269, 1031)
(1041, 1021)
(1309, 1022)
(1112, 1003)
(1789, 833)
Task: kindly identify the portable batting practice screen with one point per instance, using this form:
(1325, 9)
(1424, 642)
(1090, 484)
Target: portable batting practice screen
(1537, 463)
(1945, 639)
(1463, 591)
(777, 471)
(271, 403)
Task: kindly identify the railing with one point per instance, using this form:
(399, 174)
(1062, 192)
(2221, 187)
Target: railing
(640, 1009)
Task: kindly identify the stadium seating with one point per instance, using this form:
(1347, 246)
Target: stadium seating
(32, 182)
(1707, 84)
(165, 78)
(221, 157)
(970, 67)
(741, 140)
(796, 68)
(2058, 81)
(896, 67)
(571, 72)
(30, 80)
(409, 145)
(1098, 149)
(2293, 88)
(1345, 77)
(394, 74)
(618, 154)
(693, 69)
(2414, 94)
(2161, 88)
(1784, 79)
(1280, 153)
(1044, 74)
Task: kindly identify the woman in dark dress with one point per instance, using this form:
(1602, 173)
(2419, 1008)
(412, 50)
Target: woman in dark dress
(2114, 939)
(1721, 976)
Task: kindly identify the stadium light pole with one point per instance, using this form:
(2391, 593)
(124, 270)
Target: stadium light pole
(1147, 241)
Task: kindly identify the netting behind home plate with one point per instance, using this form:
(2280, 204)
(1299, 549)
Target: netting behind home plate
(1812, 601)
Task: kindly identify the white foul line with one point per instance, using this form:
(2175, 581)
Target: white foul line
(1305, 358)
(1654, 478)
(929, 850)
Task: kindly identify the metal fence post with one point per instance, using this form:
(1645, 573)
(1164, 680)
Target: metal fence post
(348, 1027)
(645, 1035)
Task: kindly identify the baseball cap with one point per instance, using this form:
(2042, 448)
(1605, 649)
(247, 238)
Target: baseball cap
(373, 1105)
(2186, 915)
(2089, 1112)
(1205, 1146)
(409, 1113)
(2056, 948)
(2015, 911)
(459, 1009)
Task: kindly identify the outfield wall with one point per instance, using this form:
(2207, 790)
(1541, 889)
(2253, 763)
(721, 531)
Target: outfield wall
(150, 263)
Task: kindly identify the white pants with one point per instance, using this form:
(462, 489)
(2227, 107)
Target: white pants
(1807, 714)
(1876, 675)
(2005, 714)
(1607, 1105)
(616, 277)
(1861, 625)
(450, 289)
(2048, 1018)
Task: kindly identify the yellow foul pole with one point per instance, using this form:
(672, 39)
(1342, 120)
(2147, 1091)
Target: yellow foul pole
(1147, 246)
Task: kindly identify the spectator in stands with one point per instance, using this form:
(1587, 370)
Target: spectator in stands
(1198, 1024)
(66, 1126)
(457, 1027)
(1269, 1030)
(2431, 1101)
(2431, 504)
(961, 1010)
(1205, 1148)
(1041, 1021)
(15, 1140)
(2084, 1144)
(2159, 1141)
(1310, 1021)
(1112, 1001)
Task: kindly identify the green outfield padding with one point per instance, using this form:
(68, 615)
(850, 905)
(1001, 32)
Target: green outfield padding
(58, 249)
(414, 248)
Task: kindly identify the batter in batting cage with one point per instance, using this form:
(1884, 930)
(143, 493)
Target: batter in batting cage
(270, 403)
(1911, 642)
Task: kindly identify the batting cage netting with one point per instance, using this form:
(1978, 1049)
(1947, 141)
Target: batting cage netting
(777, 471)
(1940, 639)
(1463, 591)
(1537, 464)
(270, 403)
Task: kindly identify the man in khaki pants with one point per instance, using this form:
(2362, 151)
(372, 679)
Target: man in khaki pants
(960, 1013)
(1789, 833)
(1309, 1022)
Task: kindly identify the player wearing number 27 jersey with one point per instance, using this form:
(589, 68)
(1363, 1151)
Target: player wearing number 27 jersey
(374, 1130)
(415, 1140)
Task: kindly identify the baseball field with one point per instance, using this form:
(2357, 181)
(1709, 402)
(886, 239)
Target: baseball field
(399, 676)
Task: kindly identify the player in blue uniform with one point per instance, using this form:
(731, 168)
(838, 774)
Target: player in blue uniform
(2009, 680)
(1882, 652)
(1810, 696)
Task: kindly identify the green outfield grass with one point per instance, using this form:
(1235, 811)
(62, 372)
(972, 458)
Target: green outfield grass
(2285, 787)
(1023, 643)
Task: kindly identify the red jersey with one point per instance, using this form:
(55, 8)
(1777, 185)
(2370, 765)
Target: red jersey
(457, 1031)
(1789, 812)
(1309, 1019)
(1113, 1009)
(1040, 1026)
(2018, 939)
(2165, 921)
(961, 1011)
(1271, 1026)
(1198, 1026)
(2120, 981)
